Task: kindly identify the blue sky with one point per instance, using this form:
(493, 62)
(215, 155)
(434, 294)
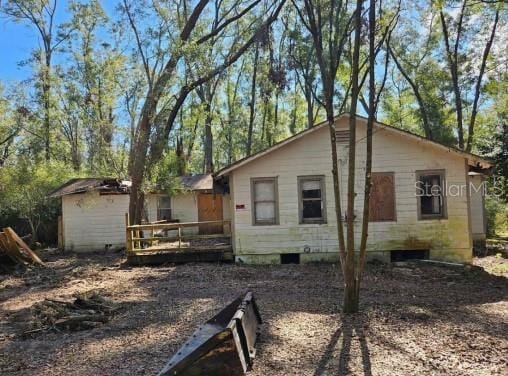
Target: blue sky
(17, 40)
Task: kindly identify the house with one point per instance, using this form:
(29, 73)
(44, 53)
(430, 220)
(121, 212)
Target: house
(426, 199)
(94, 209)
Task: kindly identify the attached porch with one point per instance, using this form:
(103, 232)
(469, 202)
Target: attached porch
(158, 243)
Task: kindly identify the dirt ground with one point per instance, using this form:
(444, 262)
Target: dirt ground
(416, 319)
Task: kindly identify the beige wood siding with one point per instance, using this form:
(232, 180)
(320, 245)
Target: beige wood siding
(310, 155)
(477, 207)
(184, 207)
(92, 221)
(226, 207)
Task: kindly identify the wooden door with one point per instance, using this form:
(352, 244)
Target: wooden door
(210, 209)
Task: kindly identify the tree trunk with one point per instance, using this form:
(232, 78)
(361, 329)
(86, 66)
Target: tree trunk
(76, 156)
(263, 122)
(275, 119)
(181, 162)
(292, 124)
(310, 107)
(252, 103)
(454, 71)
(46, 95)
(350, 296)
(416, 91)
(208, 142)
(138, 167)
(474, 112)
(33, 230)
(372, 107)
(137, 172)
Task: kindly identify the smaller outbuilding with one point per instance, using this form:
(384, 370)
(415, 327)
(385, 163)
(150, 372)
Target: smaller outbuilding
(94, 209)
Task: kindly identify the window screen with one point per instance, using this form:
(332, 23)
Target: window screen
(264, 195)
(311, 194)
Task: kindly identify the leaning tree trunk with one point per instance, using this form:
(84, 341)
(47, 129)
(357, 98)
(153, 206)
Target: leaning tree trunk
(137, 169)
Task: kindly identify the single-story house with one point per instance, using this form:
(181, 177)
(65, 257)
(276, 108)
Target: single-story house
(426, 200)
(94, 209)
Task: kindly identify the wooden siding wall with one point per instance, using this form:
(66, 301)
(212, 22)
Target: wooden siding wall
(90, 221)
(478, 222)
(446, 238)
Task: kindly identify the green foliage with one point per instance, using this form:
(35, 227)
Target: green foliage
(497, 217)
(99, 81)
(23, 192)
(163, 178)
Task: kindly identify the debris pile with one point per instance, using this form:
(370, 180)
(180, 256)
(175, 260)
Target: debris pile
(84, 312)
(12, 246)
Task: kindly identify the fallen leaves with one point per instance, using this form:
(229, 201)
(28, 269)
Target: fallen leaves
(416, 319)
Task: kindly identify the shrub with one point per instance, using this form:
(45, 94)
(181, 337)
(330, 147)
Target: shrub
(24, 204)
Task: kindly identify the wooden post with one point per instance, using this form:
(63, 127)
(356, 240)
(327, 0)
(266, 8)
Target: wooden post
(179, 238)
(60, 233)
(128, 234)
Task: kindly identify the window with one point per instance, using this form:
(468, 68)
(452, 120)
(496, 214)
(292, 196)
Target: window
(163, 208)
(311, 193)
(382, 197)
(430, 194)
(264, 194)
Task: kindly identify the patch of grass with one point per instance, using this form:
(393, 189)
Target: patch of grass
(500, 269)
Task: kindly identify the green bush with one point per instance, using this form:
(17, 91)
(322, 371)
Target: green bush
(501, 221)
(497, 217)
(24, 204)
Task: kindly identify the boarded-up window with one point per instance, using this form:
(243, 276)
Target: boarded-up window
(264, 201)
(163, 208)
(312, 199)
(430, 194)
(382, 197)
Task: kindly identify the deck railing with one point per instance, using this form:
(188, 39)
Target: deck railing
(153, 236)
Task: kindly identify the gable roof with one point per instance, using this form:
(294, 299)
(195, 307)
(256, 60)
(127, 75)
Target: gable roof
(473, 159)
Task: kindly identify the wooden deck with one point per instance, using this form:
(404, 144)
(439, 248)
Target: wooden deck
(158, 243)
